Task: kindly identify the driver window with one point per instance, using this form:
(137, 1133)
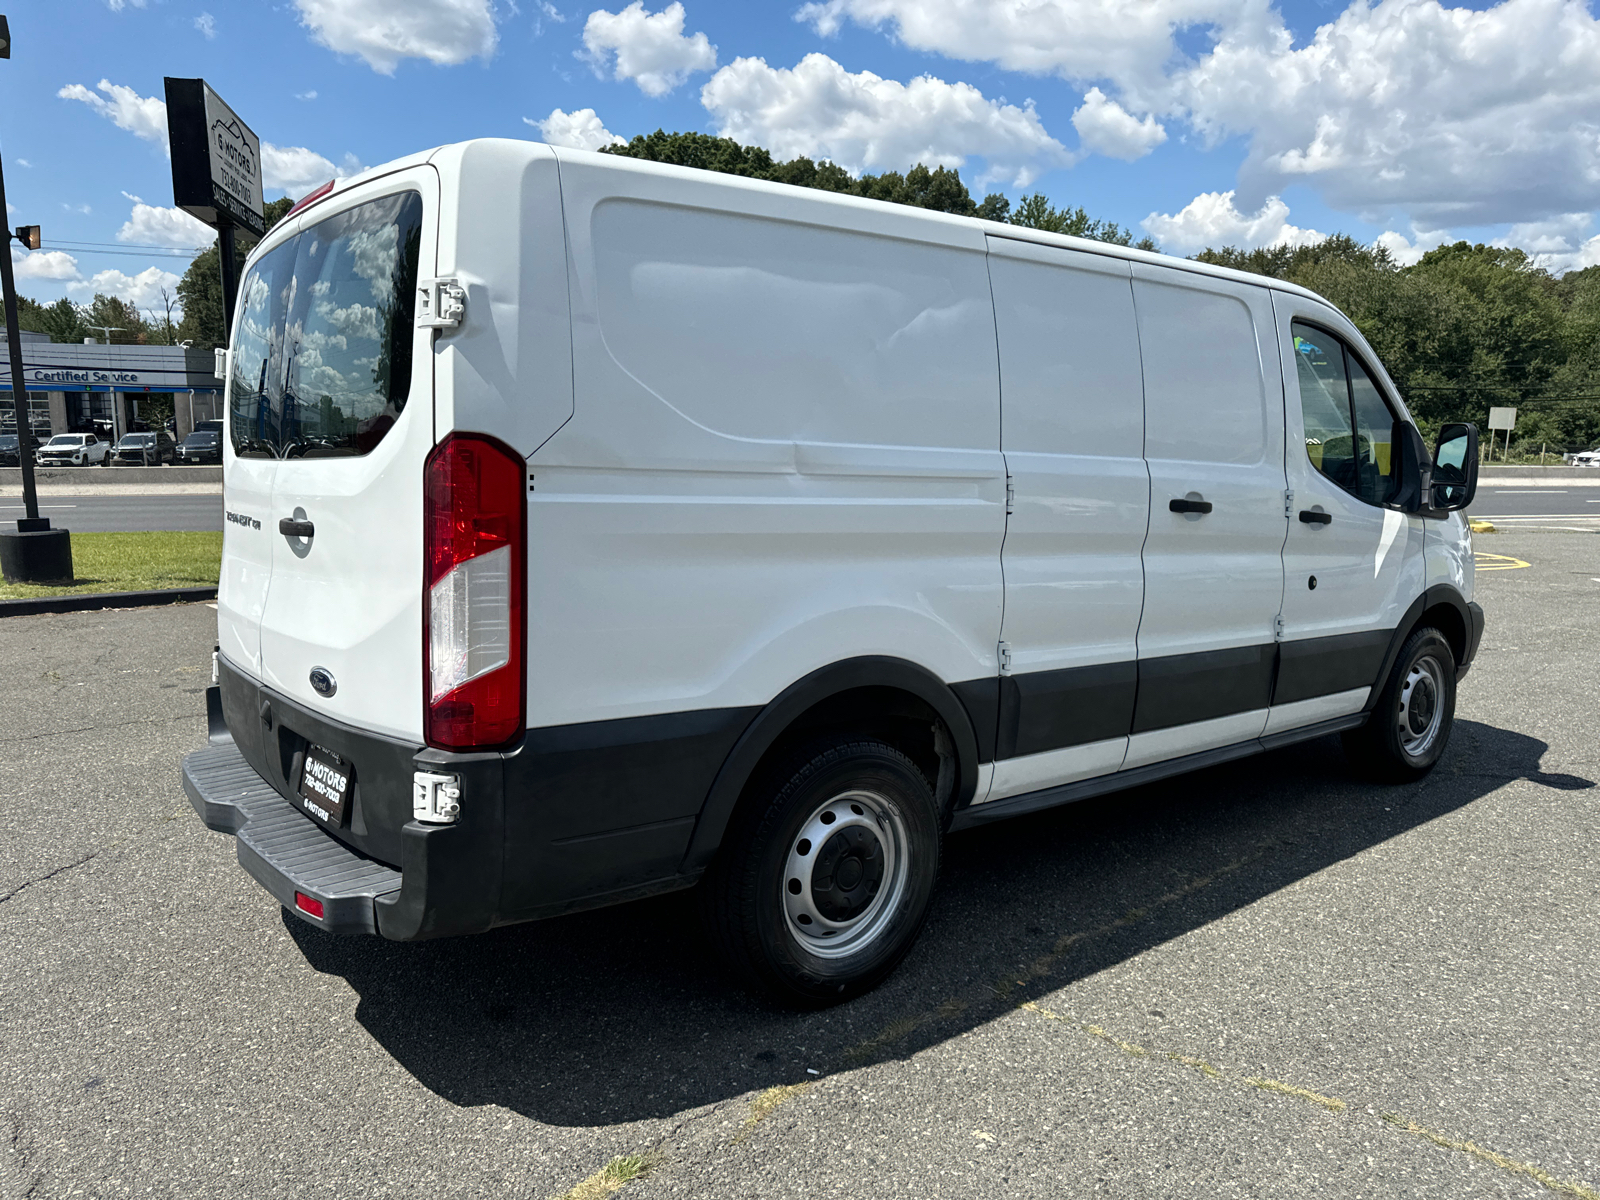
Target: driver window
(1325, 404)
(1349, 427)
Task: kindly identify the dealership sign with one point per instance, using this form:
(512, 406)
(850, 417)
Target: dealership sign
(216, 158)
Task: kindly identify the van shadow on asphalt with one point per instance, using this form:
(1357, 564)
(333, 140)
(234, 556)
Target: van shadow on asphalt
(623, 1014)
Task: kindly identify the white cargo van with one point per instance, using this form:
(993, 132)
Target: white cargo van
(597, 528)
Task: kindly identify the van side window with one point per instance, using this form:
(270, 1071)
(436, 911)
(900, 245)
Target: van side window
(1349, 428)
(322, 349)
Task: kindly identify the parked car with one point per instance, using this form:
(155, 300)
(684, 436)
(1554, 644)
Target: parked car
(1586, 458)
(144, 450)
(208, 427)
(677, 539)
(72, 449)
(10, 453)
(201, 446)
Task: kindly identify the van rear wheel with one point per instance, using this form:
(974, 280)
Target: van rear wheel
(821, 887)
(1410, 724)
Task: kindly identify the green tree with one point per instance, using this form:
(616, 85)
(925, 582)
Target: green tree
(937, 188)
(62, 320)
(200, 289)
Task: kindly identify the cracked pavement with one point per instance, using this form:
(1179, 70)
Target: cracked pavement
(1268, 979)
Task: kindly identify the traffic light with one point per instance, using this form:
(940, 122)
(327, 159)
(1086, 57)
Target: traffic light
(28, 235)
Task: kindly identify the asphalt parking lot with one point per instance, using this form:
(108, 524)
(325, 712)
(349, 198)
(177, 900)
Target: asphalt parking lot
(1269, 979)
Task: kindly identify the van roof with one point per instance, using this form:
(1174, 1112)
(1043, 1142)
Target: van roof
(906, 212)
(993, 228)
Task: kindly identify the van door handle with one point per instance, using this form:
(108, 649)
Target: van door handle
(1316, 518)
(289, 527)
(1189, 506)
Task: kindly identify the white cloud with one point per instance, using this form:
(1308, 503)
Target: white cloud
(1408, 108)
(173, 227)
(297, 170)
(206, 24)
(863, 121)
(383, 32)
(1452, 116)
(43, 264)
(311, 95)
(1557, 245)
(294, 169)
(1409, 251)
(22, 162)
(650, 48)
(142, 116)
(1211, 219)
(1129, 42)
(1105, 127)
(142, 290)
(579, 130)
(119, 5)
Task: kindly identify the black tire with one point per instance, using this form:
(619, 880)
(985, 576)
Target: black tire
(1411, 722)
(872, 822)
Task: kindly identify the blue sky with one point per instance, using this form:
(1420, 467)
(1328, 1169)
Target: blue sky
(1198, 121)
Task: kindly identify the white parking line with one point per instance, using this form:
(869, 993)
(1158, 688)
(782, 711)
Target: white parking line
(1527, 492)
(23, 507)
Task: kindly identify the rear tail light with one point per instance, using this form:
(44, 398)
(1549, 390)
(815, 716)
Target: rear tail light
(310, 198)
(308, 904)
(475, 563)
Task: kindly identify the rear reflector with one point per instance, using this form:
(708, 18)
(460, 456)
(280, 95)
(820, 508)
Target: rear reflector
(475, 554)
(307, 904)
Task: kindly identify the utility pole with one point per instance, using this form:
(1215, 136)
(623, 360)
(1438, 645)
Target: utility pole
(34, 552)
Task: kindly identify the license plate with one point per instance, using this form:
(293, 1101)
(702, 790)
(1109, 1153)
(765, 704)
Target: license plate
(325, 785)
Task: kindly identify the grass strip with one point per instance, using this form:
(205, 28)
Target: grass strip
(132, 562)
(611, 1177)
(1561, 1187)
(766, 1104)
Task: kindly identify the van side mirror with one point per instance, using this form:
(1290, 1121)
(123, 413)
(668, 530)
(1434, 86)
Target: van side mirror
(1411, 468)
(1455, 467)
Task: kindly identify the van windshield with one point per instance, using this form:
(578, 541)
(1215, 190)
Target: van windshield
(322, 353)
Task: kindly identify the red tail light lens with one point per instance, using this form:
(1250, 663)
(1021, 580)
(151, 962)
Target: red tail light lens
(310, 198)
(474, 615)
(308, 904)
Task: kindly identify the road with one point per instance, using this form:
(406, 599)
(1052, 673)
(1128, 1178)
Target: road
(1575, 507)
(102, 514)
(1270, 979)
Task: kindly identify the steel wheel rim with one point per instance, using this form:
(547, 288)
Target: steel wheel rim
(1421, 712)
(831, 906)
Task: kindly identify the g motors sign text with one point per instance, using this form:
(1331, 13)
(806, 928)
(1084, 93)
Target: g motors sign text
(216, 158)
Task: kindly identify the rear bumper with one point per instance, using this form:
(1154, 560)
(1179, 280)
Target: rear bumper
(574, 817)
(282, 850)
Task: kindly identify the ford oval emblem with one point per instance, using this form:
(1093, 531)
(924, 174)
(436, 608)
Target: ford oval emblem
(322, 681)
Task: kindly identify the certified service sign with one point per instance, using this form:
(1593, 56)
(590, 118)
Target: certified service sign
(216, 158)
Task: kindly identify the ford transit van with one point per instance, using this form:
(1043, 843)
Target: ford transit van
(596, 528)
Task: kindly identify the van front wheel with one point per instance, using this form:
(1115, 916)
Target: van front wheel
(1410, 724)
(822, 886)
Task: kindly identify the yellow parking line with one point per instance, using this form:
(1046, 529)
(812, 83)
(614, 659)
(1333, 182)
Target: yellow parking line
(1497, 562)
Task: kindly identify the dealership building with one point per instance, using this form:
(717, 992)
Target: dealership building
(96, 388)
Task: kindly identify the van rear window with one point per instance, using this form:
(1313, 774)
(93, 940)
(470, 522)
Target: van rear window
(322, 353)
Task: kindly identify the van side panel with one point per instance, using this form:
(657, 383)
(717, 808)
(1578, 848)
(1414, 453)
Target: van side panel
(1072, 429)
(508, 370)
(784, 450)
(1213, 580)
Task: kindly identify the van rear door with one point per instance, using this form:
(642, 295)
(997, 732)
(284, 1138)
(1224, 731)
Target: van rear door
(352, 426)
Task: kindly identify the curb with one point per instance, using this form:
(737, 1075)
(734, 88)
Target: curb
(99, 600)
(1480, 527)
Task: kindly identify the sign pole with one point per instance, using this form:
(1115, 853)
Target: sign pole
(19, 385)
(230, 275)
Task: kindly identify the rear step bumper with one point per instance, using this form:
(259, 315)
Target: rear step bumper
(282, 849)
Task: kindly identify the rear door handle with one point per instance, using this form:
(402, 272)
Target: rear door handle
(1189, 506)
(289, 527)
(1315, 518)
